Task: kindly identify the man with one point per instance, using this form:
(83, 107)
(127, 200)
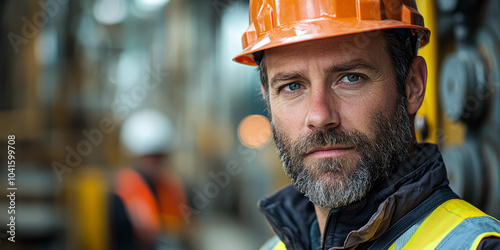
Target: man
(146, 198)
(342, 82)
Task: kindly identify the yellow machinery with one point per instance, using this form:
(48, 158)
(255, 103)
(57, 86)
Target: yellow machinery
(461, 111)
(87, 197)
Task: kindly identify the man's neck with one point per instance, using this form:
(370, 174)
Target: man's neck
(322, 215)
(413, 145)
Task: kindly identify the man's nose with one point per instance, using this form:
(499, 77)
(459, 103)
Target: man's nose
(322, 113)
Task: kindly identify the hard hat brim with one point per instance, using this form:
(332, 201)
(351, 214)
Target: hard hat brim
(319, 28)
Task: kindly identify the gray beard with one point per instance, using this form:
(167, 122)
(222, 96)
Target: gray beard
(338, 182)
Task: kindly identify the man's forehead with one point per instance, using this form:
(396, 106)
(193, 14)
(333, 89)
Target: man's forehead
(365, 46)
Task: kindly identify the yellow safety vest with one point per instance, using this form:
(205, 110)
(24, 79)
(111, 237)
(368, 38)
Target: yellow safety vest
(455, 224)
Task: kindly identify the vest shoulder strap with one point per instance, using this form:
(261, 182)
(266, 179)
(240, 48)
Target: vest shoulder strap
(470, 232)
(139, 202)
(437, 198)
(274, 244)
(453, 225)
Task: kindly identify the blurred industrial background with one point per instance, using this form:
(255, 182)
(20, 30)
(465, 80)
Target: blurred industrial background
(72, 71)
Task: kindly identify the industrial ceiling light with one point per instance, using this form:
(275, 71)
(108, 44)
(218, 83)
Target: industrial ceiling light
(150, 5)
(110, 11)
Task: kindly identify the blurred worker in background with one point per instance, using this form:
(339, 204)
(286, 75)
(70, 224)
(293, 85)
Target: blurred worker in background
(146, 200)
(342, 82)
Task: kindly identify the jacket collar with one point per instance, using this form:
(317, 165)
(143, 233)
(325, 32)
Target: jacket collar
(291, 214)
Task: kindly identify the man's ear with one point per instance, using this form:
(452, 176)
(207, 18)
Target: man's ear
(416, 84)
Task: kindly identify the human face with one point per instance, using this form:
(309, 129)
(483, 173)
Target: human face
(337, 119)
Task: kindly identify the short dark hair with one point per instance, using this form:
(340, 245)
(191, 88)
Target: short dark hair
(401, 45)
(402, 48)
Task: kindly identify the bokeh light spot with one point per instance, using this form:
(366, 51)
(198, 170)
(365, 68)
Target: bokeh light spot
(254, 131)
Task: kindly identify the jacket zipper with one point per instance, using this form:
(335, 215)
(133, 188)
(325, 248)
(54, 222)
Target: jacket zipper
(323, 236)
(328, 218)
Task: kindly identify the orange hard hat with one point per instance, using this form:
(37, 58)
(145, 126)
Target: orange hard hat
(276, 23)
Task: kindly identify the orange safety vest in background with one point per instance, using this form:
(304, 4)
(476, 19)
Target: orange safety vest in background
(150, 215)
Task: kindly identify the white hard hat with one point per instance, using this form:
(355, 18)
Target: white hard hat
(147, 132)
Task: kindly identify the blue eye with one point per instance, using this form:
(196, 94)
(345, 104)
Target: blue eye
(292, 87)
(351, 79)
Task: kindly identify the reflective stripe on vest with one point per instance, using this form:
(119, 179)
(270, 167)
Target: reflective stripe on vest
(470, 232)
(280, 246)
(444, 228)
(455, 224)
(274, 244)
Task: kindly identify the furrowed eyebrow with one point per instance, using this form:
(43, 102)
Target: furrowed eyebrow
(358, 64)
(352, 65)
(285, 77)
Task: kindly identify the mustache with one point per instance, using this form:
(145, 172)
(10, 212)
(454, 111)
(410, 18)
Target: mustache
(328, 138)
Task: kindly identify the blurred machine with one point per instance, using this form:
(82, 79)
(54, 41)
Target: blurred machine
(468, 130)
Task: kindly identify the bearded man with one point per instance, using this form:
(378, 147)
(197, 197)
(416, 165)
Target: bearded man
(342, 82)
